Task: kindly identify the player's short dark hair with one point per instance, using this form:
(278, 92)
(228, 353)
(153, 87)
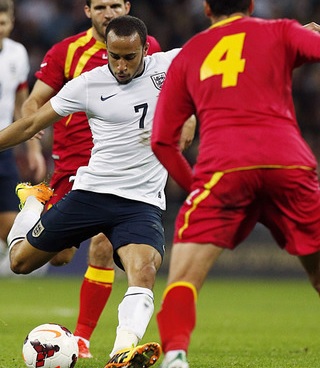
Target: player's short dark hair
(128, 25)
(227, 7)
(6, 6)
(88, 2)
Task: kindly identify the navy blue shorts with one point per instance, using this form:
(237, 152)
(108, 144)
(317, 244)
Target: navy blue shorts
(82, 214)
(9, 178)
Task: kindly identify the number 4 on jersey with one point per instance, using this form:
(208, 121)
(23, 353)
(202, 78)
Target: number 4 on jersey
(225, 59)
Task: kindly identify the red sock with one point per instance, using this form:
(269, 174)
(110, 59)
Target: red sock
(95, 291)
(177, 317)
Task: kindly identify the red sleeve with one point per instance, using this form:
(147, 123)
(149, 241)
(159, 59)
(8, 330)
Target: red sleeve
(154, 45)
(302, 41)
(51, 70)
(176, 164)
(170, 115)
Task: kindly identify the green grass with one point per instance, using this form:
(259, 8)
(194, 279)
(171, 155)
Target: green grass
(241, 324)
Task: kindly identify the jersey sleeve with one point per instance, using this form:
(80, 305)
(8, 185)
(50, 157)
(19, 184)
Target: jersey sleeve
(51, 70)
(304, 43)
(71, 98)
(24, 68)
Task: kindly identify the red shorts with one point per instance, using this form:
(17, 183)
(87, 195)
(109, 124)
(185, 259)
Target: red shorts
(60, 182)
(286, 201)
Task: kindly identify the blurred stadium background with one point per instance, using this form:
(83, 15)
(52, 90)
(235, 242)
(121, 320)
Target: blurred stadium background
(40, 24)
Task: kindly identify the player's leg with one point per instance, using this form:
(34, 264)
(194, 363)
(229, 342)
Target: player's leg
(311, 264)
(23, 257)
(294, 219)
(141, 226)
(6, 220)
(61, 184)
(98, 279)
(95, 291)
(189, 266)
(141, 262)
(218, 216)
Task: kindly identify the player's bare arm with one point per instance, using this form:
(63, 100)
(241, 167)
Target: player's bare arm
(41, 93)
(25, 128)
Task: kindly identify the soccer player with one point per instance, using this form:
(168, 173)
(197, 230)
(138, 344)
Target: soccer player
(120, 193)
(14, 70)
(72, 144)
(253, 164)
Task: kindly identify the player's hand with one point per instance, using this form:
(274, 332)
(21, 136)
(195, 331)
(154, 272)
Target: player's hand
(313, 27)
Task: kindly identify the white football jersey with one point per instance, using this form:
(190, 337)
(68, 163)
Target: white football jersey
(120, 117)
(14, 70)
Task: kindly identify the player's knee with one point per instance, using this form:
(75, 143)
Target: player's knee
(101, 252)
(19, 260)
(19, 267)
(64, 257)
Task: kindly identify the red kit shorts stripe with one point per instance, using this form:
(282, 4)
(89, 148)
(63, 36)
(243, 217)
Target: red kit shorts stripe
(224, 209)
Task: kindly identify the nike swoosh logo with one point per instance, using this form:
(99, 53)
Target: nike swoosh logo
(56, 333)
(107, 98)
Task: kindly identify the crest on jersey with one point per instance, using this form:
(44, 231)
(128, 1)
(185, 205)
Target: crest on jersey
(158, 79)
(37, 230)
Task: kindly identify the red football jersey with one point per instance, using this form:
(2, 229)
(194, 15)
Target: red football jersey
(64, 61)
(236, 77)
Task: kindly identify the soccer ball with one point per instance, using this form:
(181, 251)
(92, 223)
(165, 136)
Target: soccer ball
(50, 346)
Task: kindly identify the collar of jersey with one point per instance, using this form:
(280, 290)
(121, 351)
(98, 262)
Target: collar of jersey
(226, 21)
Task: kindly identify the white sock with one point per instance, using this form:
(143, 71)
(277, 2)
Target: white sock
(134, 314)
(25, 220)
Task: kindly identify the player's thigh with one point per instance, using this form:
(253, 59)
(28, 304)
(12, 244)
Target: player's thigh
(223, 215)
(292, 210)
(139, 223)
(71, 221)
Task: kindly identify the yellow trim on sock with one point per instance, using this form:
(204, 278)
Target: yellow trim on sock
(181, 283)
(105, 276)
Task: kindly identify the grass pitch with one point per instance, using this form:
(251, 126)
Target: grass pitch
(241, 323)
